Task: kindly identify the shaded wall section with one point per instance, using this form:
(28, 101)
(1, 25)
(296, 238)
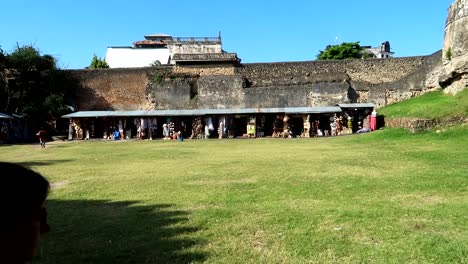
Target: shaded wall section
(105, 89)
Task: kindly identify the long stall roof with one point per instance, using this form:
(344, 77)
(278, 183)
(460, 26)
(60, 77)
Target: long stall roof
(200, 112)
(5, 116)
(357, 105)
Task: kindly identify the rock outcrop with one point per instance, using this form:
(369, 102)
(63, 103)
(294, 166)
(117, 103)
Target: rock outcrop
(453, 74)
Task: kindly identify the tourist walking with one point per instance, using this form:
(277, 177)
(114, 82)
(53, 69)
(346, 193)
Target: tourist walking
(42, 137)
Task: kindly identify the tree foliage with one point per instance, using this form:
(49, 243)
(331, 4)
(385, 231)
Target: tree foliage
(344, 51)
(28, 88)
(27, 58)
(156, 63)
(3, 60)
(55, 105)
(98, 63)
(448, 54)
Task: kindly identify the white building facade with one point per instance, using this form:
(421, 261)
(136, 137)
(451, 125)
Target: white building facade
(162, 49)
(381, 52)
(129, 57)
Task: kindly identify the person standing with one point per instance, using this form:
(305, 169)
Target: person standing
(221, 130)
(42, 137)
(333, 126)
(350, 124)
(121, 130)
(165, 131)
(373, 120)
(207, 132)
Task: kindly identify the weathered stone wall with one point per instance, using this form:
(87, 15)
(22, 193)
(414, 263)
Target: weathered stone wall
(369, 71)
(381, 81)
(294, 84)
(196, 47)
(220, 92)
(205, 71)
(167, 93)
(456, 28)
(105, 89)
(419, 124)
(453, 76)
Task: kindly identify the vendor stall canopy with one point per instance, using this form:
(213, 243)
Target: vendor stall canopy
(357, 105)
(201, 112)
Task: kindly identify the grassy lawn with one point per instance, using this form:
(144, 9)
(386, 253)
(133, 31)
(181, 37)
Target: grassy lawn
(430, 105)
(381, 197)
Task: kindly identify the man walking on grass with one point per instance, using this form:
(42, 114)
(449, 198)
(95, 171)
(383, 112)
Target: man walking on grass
(42, 137)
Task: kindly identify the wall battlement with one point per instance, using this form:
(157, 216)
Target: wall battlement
(458, 10)
(456, 37)
(453, 76)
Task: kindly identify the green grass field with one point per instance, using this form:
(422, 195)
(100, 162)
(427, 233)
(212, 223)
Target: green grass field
(381, 197)
(430, 105)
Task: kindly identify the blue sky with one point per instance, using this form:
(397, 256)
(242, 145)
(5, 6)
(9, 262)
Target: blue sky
(257, 30)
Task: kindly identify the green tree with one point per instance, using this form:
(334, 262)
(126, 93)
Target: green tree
(55, 106)
(448, 54)
(3, 92)
(30, 90)
(28, 68)
(3, 60)
(28, 59)
(344, 51)
(98, 63)
(155, 63)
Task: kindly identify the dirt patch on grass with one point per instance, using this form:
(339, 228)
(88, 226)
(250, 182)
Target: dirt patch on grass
(223, 181)
(257, 240)
(59, 185)
(303, 204)
(367, 239)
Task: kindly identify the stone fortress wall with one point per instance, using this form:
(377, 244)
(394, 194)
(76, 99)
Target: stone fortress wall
(288, 84)
(291, 84)
(456, 27)
(453, 75)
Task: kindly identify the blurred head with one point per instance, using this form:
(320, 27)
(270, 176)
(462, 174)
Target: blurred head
(23, 217)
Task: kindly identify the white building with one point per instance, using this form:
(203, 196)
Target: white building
(165, 49)
(381, 52)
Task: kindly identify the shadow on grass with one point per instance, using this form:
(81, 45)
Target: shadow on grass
(30, 164)
(118, 232)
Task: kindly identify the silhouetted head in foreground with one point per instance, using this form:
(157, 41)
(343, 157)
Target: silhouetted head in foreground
(23, 216)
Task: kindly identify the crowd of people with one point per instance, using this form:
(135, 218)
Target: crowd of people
(348, 122)
(247, 126)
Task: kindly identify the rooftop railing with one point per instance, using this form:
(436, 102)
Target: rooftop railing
(196, 39)
(204, 56)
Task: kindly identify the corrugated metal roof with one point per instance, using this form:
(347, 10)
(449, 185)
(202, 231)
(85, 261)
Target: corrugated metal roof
(158, 35)
(200, 112)
(5, 116)
(357, 105)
